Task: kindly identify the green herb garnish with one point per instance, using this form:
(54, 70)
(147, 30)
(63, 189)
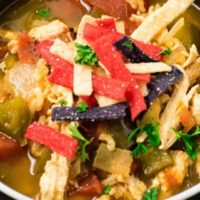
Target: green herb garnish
(82, 107)
(63, 102)
(152, 131)
(85, 55)
(189, 142)
(166, 52)
(152, 194)
(139, 150)
(43, 12)
(107, 189)
(128, 44)
(76, 134)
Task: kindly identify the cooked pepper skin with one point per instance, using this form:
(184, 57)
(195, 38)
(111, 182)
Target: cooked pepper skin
(14, 118)
(155, 160)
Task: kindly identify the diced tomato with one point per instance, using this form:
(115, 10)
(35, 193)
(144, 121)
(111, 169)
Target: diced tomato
(8, 147)
(90, 186)
(108, 23)
(108, 87)
(90, 100)
(135, 100)
(91, 33)
(116, 8)
(145, 78)
(26, 50)
(62, 72)
(151, 50)
(53, 139)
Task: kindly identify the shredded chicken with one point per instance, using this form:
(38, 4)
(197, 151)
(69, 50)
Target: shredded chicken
(168, 179)
(48, 31)
(197, 164)
(169, 121)
(195, 108)
(130, 188)
(159, 19)
(193, 71)
(192, 56)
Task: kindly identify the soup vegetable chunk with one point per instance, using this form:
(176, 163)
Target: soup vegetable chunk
(100, 99)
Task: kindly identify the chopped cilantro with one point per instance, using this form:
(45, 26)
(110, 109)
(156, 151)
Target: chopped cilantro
(166, 52)
(107, 189)
(76, 134)
(82, 107)
(128, 44)
(85, 55)
(152, 131)
(63, 102)
(152, 194)
(43, 12)
(139, 150)
(189, 142)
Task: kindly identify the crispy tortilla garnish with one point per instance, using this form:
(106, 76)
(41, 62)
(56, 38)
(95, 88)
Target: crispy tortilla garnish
(159, 19)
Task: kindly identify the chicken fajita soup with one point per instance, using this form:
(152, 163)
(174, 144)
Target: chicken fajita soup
(100, 99)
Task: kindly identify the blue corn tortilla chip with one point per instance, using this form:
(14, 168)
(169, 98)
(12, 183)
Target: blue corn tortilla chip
(117, 111)
(131, 51)
(161, 83)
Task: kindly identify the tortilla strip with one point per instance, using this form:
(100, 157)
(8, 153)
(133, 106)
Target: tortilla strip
(151, 67)
(159, 19)
(170, 116)
(53, 181)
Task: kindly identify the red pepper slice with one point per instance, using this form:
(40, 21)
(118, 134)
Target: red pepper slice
(108, 23)
(90, 100)
(151, 50)
(53, 139)
(108, 87)
(62, 72)
(135, 100)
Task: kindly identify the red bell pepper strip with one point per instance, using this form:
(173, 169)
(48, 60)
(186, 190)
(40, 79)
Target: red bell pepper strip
(151, 50)
(108, 87)
(135, 100)
(62, 72)
(26, 50)
(108, 23)
(89, 100)
(53, 139)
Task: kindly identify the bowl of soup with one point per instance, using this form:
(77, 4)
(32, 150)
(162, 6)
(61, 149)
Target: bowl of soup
(100, 99)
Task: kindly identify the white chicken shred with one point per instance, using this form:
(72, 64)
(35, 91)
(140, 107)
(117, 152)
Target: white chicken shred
(105, 101)
(169, 121)
(48, 31)
(159, 19)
